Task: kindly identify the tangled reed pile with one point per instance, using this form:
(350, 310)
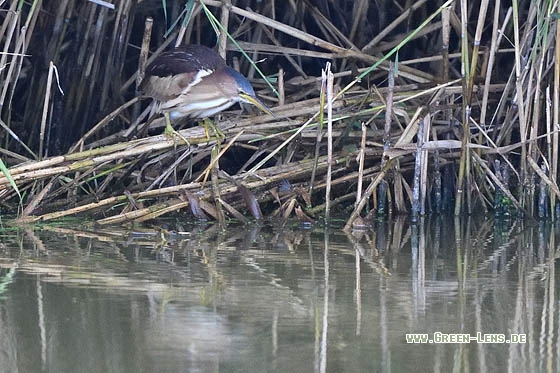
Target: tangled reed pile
(380, 108)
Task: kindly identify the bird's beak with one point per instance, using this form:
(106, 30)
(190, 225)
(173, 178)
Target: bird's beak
(255, 101)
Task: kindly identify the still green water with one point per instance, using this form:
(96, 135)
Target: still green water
(276, 299)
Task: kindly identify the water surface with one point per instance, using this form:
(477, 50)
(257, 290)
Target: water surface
(264, 298)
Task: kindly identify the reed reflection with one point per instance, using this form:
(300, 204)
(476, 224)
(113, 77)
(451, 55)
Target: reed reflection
(268, 297)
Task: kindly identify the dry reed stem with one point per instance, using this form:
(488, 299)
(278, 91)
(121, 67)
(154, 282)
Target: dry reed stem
(494, 45)
(224, 20)
(278, 26)
(520, 96)
(236, 214)
(330, 97)
(144, 49)
(45, 110)
(424, 165)
(367, 193)
(361, 161)
(406, 71)
(478, 34)
(556, 107)
(465, 71)
(416, 195)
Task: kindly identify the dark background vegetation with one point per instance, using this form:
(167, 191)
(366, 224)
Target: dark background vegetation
(96, 51)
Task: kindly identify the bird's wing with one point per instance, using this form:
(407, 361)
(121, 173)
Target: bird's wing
(185, 59)
(168, 87)
(174, 72)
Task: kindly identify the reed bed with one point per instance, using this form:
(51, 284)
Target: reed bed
(379, 108)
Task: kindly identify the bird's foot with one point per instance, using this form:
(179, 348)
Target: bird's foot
(172, 134)
(207, 124)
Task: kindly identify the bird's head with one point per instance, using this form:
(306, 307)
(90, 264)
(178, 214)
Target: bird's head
(245, 92)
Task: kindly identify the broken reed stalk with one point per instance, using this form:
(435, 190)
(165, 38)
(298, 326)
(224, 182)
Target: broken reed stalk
(417, 173)
(367, 193)
(330, 97)
(144, 50)
(216, 195)
(445, 32)
(555, 113)
(542, 205)
(361, 156)
(550, 151)
(224, 21)
(45, 110)
(384, 206)
(437, 176)
(424, 162)
(319, 132)
(281, 88)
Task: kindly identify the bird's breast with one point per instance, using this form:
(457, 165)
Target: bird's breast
(199, 101)
(196, 109)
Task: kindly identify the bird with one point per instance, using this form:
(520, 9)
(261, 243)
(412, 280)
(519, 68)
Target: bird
(194, 81)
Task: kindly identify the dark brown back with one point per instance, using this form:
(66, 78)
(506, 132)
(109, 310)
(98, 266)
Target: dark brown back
(185, 59)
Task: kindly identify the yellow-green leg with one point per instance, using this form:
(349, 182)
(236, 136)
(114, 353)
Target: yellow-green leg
(170, 132)
(207, 124)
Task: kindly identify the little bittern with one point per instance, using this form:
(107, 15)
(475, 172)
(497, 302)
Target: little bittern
(194, 81)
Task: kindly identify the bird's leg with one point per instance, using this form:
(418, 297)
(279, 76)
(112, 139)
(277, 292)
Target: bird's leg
(170, 132)
(206, 124)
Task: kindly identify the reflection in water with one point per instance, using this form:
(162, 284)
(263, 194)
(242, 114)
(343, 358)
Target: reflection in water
(263, 298)
(325, 319)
